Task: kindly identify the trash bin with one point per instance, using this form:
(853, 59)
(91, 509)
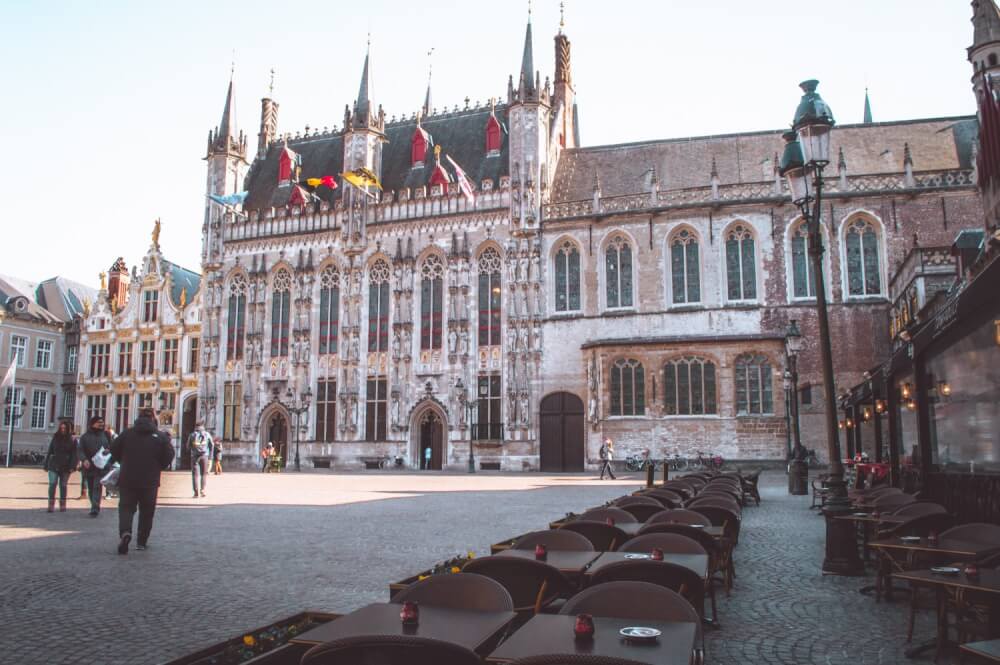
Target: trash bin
(798, 478)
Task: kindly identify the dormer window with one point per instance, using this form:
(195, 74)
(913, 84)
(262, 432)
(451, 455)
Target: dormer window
(494, 135)
(289, 164)
(418, 147)
(150, 306)
(439, 176)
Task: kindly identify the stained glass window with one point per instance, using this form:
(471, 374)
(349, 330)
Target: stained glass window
(684, 272)
(329, 309)
(803, 279)
(741, 275)
(281, 302)
(618, 272)
(378, 306)
(689, 387)
(489, 297)
(753, 385)
(628, 391)
(862, 259)
(567, 278)
(236, 323)
(431, 295)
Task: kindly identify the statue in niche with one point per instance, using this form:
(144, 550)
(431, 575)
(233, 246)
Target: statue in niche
(354, 412)
(511, 267)
(464, 275)
(452, 341)
(397, 273)
(407, 342)
(395, 343)
(465, 342)
(525, 411)
(355, 350)
(537, 335)
(523, 267)
(511, 337)
(536, 265)
(407, 284)
(395, 408)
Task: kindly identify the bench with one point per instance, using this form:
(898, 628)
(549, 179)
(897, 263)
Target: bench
(372, 462)
(321, 462)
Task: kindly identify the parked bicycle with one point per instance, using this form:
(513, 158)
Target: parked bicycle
(678, 463)
(712, 462)
(23, 458)
(639, 462)
(389, 462)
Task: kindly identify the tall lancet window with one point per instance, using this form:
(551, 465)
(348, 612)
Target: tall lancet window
(281, 302)
(618, 272)
(329, 309)
(237, 319)
(567, 275)
(431, 305)
(489, 297)
(378, 306)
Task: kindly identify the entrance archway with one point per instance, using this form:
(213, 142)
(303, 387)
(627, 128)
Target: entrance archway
(430, 441)
(274, 428)
(189, 416)
(561, 440)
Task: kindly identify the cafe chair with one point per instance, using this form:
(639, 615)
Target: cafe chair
(677, 578)
(640, 601)
(642, 512)
(464, 591)
(635, 500)
(666, 498)
(555, 540)
(820, 491)
(533, 585)
(697, 481)
(603, 536)
(918, 508)
(603, 514)
(977, 532)
(668, 542)
(918, 525)
(686, 490)
(721, 515)
(721, 490)
(750, 488)
(389, 650)
(890, 502)
(726, 503)
(680, 516)
(719, 553)
(575, 659)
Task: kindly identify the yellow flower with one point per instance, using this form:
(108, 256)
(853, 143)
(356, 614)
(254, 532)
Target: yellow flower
(471, 555)
(456, 569)
(422, 577)
(249, 640)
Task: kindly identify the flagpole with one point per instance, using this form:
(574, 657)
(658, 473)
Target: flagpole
(13, 395)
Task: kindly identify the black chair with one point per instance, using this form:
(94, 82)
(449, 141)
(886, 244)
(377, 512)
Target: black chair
(604, 514)
(719, 553)
(532, 585)
(642, 512)
(464, 591)
(635, 500)
(604, 537)
(679, 516)
(554, 539)
(677, 578)
(668, 542)
(389, 650)
(666, 498)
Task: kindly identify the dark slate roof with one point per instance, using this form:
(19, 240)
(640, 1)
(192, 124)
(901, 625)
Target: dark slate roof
(461, 134)
(935, 144)
(64, 297)
(181, 279)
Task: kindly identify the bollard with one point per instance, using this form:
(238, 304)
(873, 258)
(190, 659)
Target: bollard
(798, 478)
(650, 475)
(666, 471)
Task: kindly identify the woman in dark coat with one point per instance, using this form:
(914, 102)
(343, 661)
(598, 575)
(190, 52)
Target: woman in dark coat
(59, 462)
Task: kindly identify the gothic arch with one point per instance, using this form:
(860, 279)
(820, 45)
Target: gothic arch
(427, 409)
(554, 250)
(620, 237)
(878, 226)
(740, 229)
(685, 233)
(269, 427)
(277, 268)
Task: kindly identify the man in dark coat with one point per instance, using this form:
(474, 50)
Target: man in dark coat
(143, 452)
(95, 438)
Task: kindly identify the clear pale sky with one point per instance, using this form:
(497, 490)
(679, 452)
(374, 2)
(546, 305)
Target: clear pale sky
(106, 105)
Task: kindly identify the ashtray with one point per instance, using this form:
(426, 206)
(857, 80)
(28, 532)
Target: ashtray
(910, 539)
(639, 634)
(945, 570)
(637, 555)
(697, 526)
(861, 514)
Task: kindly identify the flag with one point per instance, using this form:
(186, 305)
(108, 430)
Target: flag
(463, 181)
(362, 178)
(229, 200)
(327, 180)
(8, 379)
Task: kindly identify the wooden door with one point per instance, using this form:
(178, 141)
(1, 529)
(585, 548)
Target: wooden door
(432, 438)
(277, 433)
(561, 445)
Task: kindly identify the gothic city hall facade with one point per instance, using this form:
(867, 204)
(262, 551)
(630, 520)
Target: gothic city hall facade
(559, 295)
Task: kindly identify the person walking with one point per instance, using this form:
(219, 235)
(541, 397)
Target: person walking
(266, 455)
(83, 475)
(216, 456)
(92, 442)
(143, 452)
(59, 462)
(200, 443)
(607, 453)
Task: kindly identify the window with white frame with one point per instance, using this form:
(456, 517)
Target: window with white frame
(741, 273)
(97, 405)
(378, 308)
(862, 253)
(150, 305)
(68, 404)
(329, 310)
(124, 358)
(147, 357)
(431, 302)
(18, 348)
(618, 272)
(71, 358)
(567, 277)
(489, 297)
(39, 407)
(13, 409)
(171, 349)
(43, 354)
(100, 360)
(123, 402)
(685, 274)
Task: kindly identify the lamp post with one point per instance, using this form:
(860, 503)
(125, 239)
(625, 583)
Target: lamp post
(793, 345)
(16, 411)
(298, 407)
(470, 406)
(807, 152)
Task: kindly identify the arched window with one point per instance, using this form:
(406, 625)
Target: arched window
(378, 306)
(803, 279)
(684, 273)
(431, 302)
(567, 278)
(237, 320)
(489, 297)
(628, 388)
(862, 259)
(281, 302)
(329, 309)
(689, 387)
(753, 385)
(618, 272)
(741, 272)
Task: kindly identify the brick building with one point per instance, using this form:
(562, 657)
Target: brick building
(640, 291)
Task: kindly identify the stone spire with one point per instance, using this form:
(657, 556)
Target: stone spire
(223, 140)
(526, 86)
(985, 23)
(362, 107)
(868, 109)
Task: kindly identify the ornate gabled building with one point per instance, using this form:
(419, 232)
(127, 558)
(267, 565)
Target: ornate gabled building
(139, 346)
(639, 291)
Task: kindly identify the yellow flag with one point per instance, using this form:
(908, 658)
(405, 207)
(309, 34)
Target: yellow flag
(361, 178)
(314, 182)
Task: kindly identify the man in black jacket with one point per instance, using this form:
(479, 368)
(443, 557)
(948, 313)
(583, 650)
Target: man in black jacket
(143, 452)
(95, 438)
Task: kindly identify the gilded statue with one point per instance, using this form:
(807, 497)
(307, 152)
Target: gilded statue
(156, 234)
(104, 282)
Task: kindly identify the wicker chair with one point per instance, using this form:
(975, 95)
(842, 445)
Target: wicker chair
(686, 490)
(604, 514)
(677, 578)
(635, 500)
(604, 537)
(719, 553)
(642, 512)
(532, 585)
(918, 508)
(389, 650)
(750, 487)
(464, 591)
(666, 498)
(554, 539)
(668, 542)
(715, 501)
(888, 503)
(979, 532)
(680, 516)
(637, 600)
(723, 516)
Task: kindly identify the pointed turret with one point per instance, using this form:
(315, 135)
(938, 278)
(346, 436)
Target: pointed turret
(526, 86)
(365, 115)
(868, 109)
(985, 23)
(224, 141)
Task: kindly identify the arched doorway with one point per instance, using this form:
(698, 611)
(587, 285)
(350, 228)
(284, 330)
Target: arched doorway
(274, 428)
(430, 448)
(561, 443)
(189, 417)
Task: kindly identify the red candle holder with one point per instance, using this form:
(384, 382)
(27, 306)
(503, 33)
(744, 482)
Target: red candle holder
(610, 521)
(971, 570)
(541, 552)
(583, 628)
(932, 538)
(409, 614)
(656, 554)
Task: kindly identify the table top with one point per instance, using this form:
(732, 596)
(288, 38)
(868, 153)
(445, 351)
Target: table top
(988, 580)
(553, 634)
(954, 547)
(869, 517)
(696, 562)
(989, 649)
(568, 563)
(468, 628)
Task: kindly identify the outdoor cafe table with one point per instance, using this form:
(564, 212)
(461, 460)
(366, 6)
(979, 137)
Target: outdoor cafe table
(988, 581)
(864, 523)
(945, 549)
(469, 628)
(988, 650)
(696, 562)
(632, 529)
(553, 634)
(569, 563)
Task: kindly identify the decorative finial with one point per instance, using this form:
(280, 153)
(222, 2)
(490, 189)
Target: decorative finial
(232, 65)
(437, 153)
(104, 283)
(562, 21)
(529, 11)
(368, 44)
(430, 64)
(156, 234)
(270, 86)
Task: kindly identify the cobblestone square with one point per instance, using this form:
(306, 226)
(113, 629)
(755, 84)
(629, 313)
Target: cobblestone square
(261, 547)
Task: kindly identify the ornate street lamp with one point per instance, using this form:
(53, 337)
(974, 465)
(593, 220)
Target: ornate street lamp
(470, 407)
(298, 407)
(15, 412)
(807, 152)
(793, 346)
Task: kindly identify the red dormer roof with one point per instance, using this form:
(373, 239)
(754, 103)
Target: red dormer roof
(419, 144)
(439, 176)
(289, 162)
(299, 196)
(494, 133)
